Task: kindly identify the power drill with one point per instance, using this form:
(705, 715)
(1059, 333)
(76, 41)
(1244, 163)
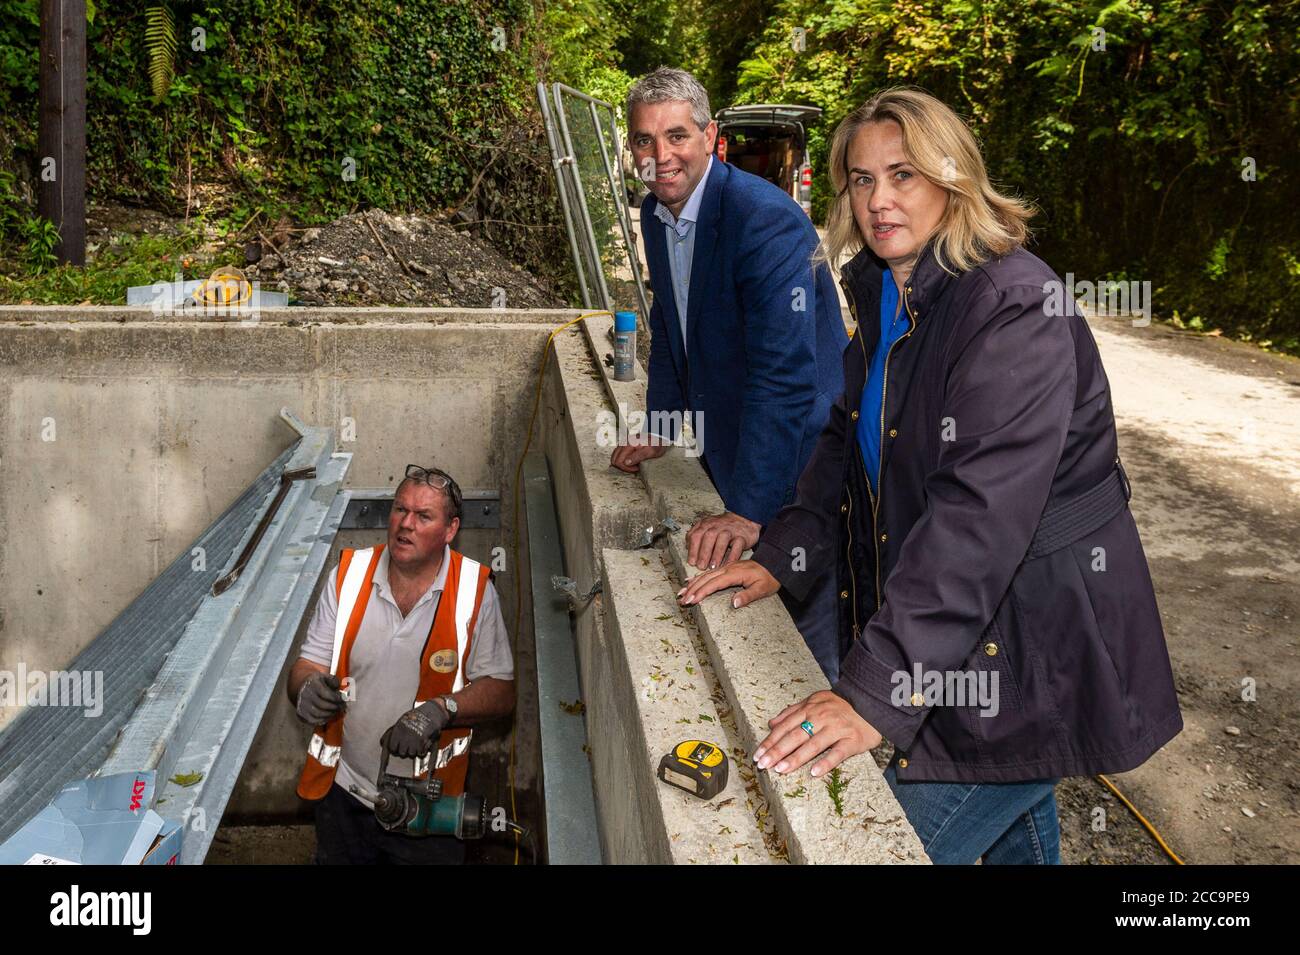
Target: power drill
(418, 808)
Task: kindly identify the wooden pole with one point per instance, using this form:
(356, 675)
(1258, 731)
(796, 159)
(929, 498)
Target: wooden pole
(61, 140)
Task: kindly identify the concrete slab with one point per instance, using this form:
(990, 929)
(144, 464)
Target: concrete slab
(291, 314)
(761, 660)
(670, 691)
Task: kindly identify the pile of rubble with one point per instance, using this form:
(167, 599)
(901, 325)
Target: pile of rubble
(376, 258)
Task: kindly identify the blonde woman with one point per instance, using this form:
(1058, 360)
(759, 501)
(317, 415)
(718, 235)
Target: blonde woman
(997, 619)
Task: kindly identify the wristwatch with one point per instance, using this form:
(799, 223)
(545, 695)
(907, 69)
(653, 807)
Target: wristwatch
(449, 705)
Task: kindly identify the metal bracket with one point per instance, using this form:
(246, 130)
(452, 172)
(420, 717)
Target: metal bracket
(656, 531)
(368, 509)
(569, 586)
(286, 478)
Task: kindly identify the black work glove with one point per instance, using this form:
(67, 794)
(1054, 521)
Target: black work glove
(414, 733)
(319, 700)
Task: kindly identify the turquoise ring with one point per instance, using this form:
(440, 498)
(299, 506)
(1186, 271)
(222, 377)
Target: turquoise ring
(807, 727)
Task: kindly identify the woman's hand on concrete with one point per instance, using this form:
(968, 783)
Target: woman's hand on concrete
(838, 733)
(720, 539)
(750, 575)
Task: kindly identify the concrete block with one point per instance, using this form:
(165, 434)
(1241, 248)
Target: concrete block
(763, 665)
(669, 694)
(611, 502)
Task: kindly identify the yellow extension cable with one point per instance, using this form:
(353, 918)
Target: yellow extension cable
(514, 548)
(1141, 818)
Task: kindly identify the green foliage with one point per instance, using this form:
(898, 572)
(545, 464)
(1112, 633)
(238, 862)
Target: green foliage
(430, 104)
(280, 104)
(132, 260)
(1127, 122)
(581, 36)
(1217, 265)
(836, 784)
(11, 215)
(40, 238)
(1137, 143)
(160, 41)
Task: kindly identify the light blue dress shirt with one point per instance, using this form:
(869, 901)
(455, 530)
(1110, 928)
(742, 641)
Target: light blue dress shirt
(680, 234)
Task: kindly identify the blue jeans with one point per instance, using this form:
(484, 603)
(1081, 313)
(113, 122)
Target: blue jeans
(1004, 823)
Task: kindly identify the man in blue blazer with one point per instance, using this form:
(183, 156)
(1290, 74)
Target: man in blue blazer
(745, 336)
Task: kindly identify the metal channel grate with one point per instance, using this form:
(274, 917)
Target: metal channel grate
(46, 747)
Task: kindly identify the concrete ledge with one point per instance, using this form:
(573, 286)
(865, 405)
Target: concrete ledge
(760, 661)
(764, 666)
(616, 507)
(598, 508)
(291, 314)
(674, 695)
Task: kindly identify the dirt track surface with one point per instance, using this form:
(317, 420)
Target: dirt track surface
(1209, 432)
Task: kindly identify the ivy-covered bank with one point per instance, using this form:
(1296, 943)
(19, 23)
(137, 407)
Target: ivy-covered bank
(313, 109)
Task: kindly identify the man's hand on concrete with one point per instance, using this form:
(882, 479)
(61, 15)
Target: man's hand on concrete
(838, 732)
(750, 575)
(414, 733)
(320, 700)
(720, 539)
(628, 457)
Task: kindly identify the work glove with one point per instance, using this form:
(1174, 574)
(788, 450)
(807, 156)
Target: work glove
(414, 733)
(319, 700)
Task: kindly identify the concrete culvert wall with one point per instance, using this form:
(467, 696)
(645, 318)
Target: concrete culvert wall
(654, 674)
(126, 433)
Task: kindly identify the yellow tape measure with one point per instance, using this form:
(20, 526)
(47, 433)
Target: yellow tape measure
(697, 766)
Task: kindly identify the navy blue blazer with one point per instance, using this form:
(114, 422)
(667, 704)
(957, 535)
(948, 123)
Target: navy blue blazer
(762, 365)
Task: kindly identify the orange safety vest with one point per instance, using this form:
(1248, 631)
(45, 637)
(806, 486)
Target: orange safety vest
(442, 666)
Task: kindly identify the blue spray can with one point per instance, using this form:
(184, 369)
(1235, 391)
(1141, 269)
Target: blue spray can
(625, 346)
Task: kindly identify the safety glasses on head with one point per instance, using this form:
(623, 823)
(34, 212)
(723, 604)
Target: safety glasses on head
(439, 480)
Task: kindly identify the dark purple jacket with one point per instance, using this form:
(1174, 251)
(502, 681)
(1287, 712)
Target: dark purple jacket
(1001, 542)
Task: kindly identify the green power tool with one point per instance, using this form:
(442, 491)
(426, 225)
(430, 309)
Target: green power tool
(418, 807)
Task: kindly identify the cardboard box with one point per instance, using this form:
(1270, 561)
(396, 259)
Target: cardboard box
(103, 820)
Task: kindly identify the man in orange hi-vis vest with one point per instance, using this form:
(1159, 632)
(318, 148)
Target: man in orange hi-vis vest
(408, 644)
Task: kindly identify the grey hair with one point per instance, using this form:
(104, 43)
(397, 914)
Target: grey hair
(665, 85)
